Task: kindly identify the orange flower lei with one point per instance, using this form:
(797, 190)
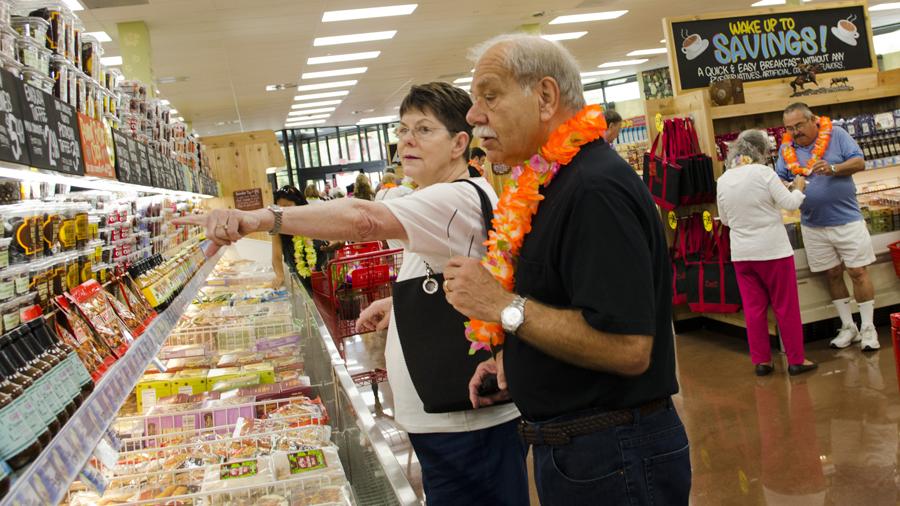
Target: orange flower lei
(818, 152)
(519, 203)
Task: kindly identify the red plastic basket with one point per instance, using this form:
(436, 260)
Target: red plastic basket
(895, 256)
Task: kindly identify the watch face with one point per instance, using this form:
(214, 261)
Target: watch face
(511, 317)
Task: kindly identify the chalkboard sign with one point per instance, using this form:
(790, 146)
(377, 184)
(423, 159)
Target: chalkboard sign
(145, 164)
(43, 145)
(124, 171)
(248, 200)
(179, 175)
(769, 46)
(13, 147)
(135, 158)
(69, 134)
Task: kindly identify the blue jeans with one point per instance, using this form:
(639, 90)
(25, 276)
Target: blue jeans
(644, 463)
(482, 467)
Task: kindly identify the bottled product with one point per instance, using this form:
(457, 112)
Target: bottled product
(49, 381)
(51, 342)
(44, 421)
(66, 386)
(19, 443)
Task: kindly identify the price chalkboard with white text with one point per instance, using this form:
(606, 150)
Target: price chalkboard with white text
(64, 118)
(13, 147)
(124, 170)
(155, 179)
(145, 164)
(42, 141)
(771, 45)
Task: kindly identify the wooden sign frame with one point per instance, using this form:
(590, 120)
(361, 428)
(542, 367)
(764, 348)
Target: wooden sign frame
(673, 47)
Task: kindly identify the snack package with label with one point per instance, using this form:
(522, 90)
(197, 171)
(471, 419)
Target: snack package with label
(78, 333)
(238, 359)
(150, 388)
(182, 351)
(221, 413)
(179, 364)
(91, 300)
(271, 343)
(123, 288)
(238, 474)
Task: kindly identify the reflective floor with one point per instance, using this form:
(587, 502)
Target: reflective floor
(829, 437)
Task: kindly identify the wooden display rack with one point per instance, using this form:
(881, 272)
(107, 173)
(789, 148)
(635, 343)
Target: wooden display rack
(874, 91)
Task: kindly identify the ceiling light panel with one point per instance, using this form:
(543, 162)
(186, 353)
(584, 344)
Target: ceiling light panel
(600, 72)
(318, 111)
(325, 86)
(298, 116)
(648, 52)
(625, 63)
(369, 13)
(590, 16)
(376, 119)
(354, 38)
(100, 36)
(564, 36)
(327, 94)
(337, 58)
(334, 73)
(111, 61)
(463, 80)
(321, 103)
(885, 7)
(305, 123)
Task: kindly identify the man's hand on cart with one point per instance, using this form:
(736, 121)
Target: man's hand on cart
(375, 317)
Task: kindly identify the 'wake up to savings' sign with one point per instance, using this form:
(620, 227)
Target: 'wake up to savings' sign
(770, 46)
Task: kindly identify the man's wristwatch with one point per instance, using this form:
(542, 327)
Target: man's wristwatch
(277, 212)
(513, 316)
(833, 172)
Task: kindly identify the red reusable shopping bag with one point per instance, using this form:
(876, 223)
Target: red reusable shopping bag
(712, 282)
(661, 175)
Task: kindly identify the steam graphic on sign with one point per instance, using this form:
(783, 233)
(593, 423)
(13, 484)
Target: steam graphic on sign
(693, 45)
(846, 31)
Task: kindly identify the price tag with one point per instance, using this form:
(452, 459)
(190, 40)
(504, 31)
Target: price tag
(124, 172)
(51, 480)
(707, 221)
(673, 220)
(305, 461)
(13, 146)
(234, 470)
(96, 152)
(42, 141)
(659, 122)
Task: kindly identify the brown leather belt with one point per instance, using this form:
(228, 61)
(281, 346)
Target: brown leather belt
(561, 433)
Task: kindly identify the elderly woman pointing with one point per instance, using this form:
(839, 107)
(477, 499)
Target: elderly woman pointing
(467, 456)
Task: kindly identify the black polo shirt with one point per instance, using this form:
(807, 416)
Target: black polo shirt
(596, 244)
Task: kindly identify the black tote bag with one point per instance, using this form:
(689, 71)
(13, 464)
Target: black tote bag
(432, 336)
(661, 175)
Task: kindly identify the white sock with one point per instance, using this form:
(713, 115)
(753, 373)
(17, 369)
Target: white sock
(843, 309)
(866, 310)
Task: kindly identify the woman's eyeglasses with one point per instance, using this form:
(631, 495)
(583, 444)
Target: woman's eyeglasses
(419, 133)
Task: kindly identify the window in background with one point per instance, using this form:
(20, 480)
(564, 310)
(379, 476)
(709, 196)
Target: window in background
(623, 92)
(594, 96)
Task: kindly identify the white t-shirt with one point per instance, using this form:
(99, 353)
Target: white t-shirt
(750, 200)
(425, 215)
(393, 193)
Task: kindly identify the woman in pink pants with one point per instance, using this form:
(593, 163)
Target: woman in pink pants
(750, 199)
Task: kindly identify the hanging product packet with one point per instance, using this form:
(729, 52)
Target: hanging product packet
(91, 300)
(125, 291)
(77, 333)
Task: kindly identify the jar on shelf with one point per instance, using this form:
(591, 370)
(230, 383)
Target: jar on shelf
(68, 237)
(8, 283)
(39, 80)
(82, 233)
(31, 27)
(21, 224)
(8, 38)
(4, 252)
(59, 71)
(33, 55)
(40, 281)
(50, 227)
(10, 191)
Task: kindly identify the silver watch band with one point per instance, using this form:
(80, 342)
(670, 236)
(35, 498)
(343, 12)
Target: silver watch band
(276, 213)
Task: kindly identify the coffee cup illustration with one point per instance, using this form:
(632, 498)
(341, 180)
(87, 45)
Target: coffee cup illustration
(846, 31)
(693, 45)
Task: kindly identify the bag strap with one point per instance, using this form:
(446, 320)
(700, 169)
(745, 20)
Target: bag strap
(487, 209)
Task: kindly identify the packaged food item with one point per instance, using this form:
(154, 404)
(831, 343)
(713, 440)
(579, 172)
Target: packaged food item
(91, 300)
(8, 283)
(50, 226)
(190, 381)
(4, 252)
(34, 56)
(38, 79)
(182, 351)
(150, 388)
(39, 272)
(59, 72)
(21, 223)
(30, 27)
(68, 237)
(89, 354)
(9, 314)
(82, 224)
(11, 65)
(221, 413)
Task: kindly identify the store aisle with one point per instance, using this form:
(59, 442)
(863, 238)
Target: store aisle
(826, 438)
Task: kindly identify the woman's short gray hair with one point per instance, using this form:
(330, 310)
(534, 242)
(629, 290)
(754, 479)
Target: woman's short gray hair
(753, 144)
(531, 58)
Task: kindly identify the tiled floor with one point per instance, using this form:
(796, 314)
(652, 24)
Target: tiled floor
(829, 437)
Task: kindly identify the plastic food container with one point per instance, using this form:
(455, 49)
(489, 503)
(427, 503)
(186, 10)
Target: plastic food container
(91, 51)
(38, 80)
(32, 27)
(59, 71)
(10, 191)
(7, 284)
(5, 8)
(4, 252)
(8, 38)
(9, 314)
(34, 55)
(12, 66)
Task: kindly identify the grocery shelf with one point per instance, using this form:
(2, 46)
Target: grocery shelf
(777, 104)
(47, 479)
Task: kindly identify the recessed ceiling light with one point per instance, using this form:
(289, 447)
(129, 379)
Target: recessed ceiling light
(885, 7)
(367, 55)
(590, 16)
(333, 73)
(164, 102)
(305, 123)
(617, 81)
(321, 103)
(299, 116)
(600, 72)
(357, 37)
(100, 36)
(564, 36)
(625, 63)
(372, 12)
(325, 86)
(376, 119)
(318, 111)
(327, 94)
(646, 52)
(73, 5)
(463, 80)
(111, 61)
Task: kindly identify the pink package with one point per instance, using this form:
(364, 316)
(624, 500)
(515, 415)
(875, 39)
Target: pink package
(222, 412)
(276, 342)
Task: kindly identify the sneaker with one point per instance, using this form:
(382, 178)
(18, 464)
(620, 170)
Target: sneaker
(868, 339)
(847, 336)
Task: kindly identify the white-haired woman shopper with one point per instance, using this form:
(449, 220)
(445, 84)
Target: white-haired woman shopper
(750, 198)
